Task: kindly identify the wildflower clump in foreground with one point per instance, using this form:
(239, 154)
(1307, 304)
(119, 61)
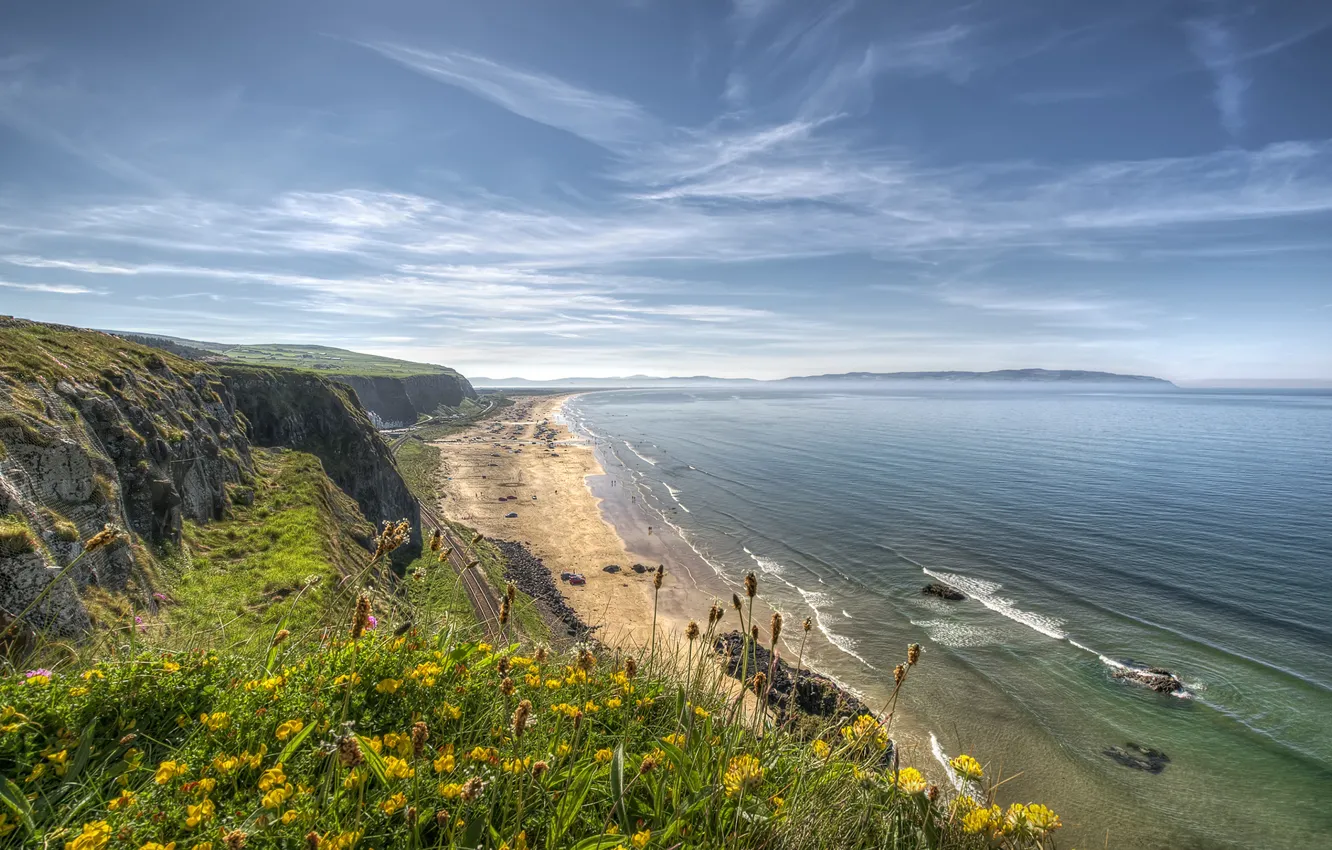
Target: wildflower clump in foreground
(409, 741)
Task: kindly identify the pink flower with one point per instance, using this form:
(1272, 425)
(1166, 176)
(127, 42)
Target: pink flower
(40, 671)
(371, 622)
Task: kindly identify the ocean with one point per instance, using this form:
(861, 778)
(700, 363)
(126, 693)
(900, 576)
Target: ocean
(1190, 530)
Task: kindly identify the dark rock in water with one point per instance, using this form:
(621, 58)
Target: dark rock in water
(640, 568)
(809, 692)
(1138, 757)
(943, 591)
(1160, 680)
(611, 568)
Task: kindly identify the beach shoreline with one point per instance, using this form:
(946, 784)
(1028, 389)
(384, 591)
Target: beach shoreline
(569, 516)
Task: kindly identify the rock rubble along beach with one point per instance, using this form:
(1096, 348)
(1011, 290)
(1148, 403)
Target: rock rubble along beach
(813, 694)
(530, 575)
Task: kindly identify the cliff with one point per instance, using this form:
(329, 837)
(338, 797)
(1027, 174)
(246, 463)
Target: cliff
(403, 400)
(309, 413)
(95, 429)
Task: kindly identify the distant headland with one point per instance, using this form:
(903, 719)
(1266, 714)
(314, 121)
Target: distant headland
(1004, 376)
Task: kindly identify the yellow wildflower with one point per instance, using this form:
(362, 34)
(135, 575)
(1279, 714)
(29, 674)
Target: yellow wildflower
(396, 768)
(38, 681)
(451, 790)
(124, 801)
(516, 765)
(401, 744)
(613, 702)
(290, 815)
(701, 712)
(225, 764)
(553, 684)
(866, 731)
(355, 778)
(289, 728)
(153, 845)
(967, 768)
(533, 680)
(78, 692)
(641, 839)
(5, 826)
(276, 797)
(341, 841)
(89, 675)
(982, 820)
(94, 836)
(743, 773)
(388, 686)
(60, 761)
(604, 756)
(272, 778)
(911, 781)
(675, 738)
(821, 748)
(393, 804)
(169, 770)
(170, 666)
(1042, 820)
(563, 749)
(445, 763)
(205, 786)
(215, 722)
(202, 813)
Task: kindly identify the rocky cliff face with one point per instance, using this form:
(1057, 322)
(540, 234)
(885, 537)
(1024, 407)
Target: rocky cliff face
(312, 414)
(95, 429)
(401, 401)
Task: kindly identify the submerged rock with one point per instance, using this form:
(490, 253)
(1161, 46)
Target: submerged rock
(943, 591)
(1158, 679)
(1138, 757)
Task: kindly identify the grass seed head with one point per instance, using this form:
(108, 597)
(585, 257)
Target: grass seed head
(751, 585)
(691, 631)
(776, 626)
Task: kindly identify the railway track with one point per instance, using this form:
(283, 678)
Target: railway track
(482, 599)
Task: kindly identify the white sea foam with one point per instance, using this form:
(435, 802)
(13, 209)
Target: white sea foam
(846, 615)
(814, 599)
(942, 758)
(646, 460)
(983, 592)
(675, 494)
(952, 633)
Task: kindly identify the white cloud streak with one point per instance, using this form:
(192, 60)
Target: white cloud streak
(1214, 45)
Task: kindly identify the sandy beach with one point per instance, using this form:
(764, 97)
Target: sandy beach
(500, 467)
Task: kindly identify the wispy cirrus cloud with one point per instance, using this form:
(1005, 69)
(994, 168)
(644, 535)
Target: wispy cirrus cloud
(51, 288)
(1213, 42)
(601, 118)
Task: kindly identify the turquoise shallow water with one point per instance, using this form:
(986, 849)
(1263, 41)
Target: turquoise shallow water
(1185, 529)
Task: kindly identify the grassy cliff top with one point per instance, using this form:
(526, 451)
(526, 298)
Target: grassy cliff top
(332, 361)
(30, 351)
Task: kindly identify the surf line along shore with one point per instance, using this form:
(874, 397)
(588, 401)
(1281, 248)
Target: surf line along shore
(525, 477)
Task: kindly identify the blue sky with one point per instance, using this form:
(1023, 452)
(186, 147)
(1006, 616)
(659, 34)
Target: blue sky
(747, 188)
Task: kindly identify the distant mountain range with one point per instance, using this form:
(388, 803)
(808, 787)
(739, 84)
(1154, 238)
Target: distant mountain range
(1005, 376)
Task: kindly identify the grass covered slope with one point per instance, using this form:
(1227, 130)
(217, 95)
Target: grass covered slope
(284, 544)
(326, 360)
(363, 739)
